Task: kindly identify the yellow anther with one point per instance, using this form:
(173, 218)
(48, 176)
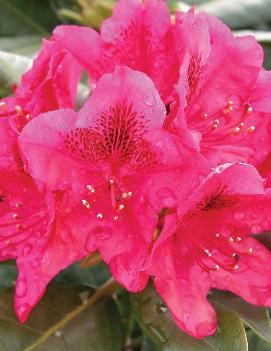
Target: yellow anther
(251, 129)
(236, 130)
(86, 204)
(91, 189)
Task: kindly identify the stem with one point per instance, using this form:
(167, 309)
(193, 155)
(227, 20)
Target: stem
(106, 289)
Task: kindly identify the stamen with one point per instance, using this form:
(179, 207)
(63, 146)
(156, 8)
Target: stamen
(19, 110)
(235, 256)
(247, 109)
(100, 216)
(121, 207)
(228, 108)
(86, 204)
(116, 218)
(91, 189)
(208, 253)
(236, 130)
(251, 129)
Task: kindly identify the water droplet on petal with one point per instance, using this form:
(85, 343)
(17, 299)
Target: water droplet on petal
(238, 215)
(256, 228)
(27, 249)
(89, 246)
(21, 288)
(150, 100)
(167, 196)
(23, 308)
(102, 233)
(160, 144)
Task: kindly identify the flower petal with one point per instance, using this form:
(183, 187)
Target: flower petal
(183, 286)
(52, 81)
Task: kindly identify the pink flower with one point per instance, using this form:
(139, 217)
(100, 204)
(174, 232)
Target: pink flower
(224, 94)
(23, 223)
(209, 244)
(27, 209)
(50, 84)
(52, 81)
(115, 166)
(138, 35)
(34, 228)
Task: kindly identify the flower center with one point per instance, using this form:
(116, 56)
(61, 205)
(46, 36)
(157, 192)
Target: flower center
(118, 197)
(226, 253)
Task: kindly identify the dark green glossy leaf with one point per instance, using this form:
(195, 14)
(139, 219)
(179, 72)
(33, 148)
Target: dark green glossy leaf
(147, 345)
(255, 317)
(23, 17)
(257, 344)
(96, 329)
(157, 323)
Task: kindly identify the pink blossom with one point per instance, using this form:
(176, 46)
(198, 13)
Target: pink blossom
(138, 35)
(209, 244)
(223, 91)
(116, 167)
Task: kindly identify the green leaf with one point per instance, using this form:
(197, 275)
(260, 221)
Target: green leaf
(147, 345)
(12, 66)
(156, 322)
(239, 14)
(97, 328)
(23, 17)
(257, 344)
(255, 317)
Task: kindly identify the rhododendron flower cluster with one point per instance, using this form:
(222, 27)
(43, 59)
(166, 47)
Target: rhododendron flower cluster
(164, 170)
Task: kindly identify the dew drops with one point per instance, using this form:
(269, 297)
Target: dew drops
(167, 196)
(23, 308)
(186, 315)
(150, 100)
(238, 216)
(21, 288)
(27, 249)
(90, 243)
(58, 333)
(160, 144)
(256, 228)
(102, 232)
